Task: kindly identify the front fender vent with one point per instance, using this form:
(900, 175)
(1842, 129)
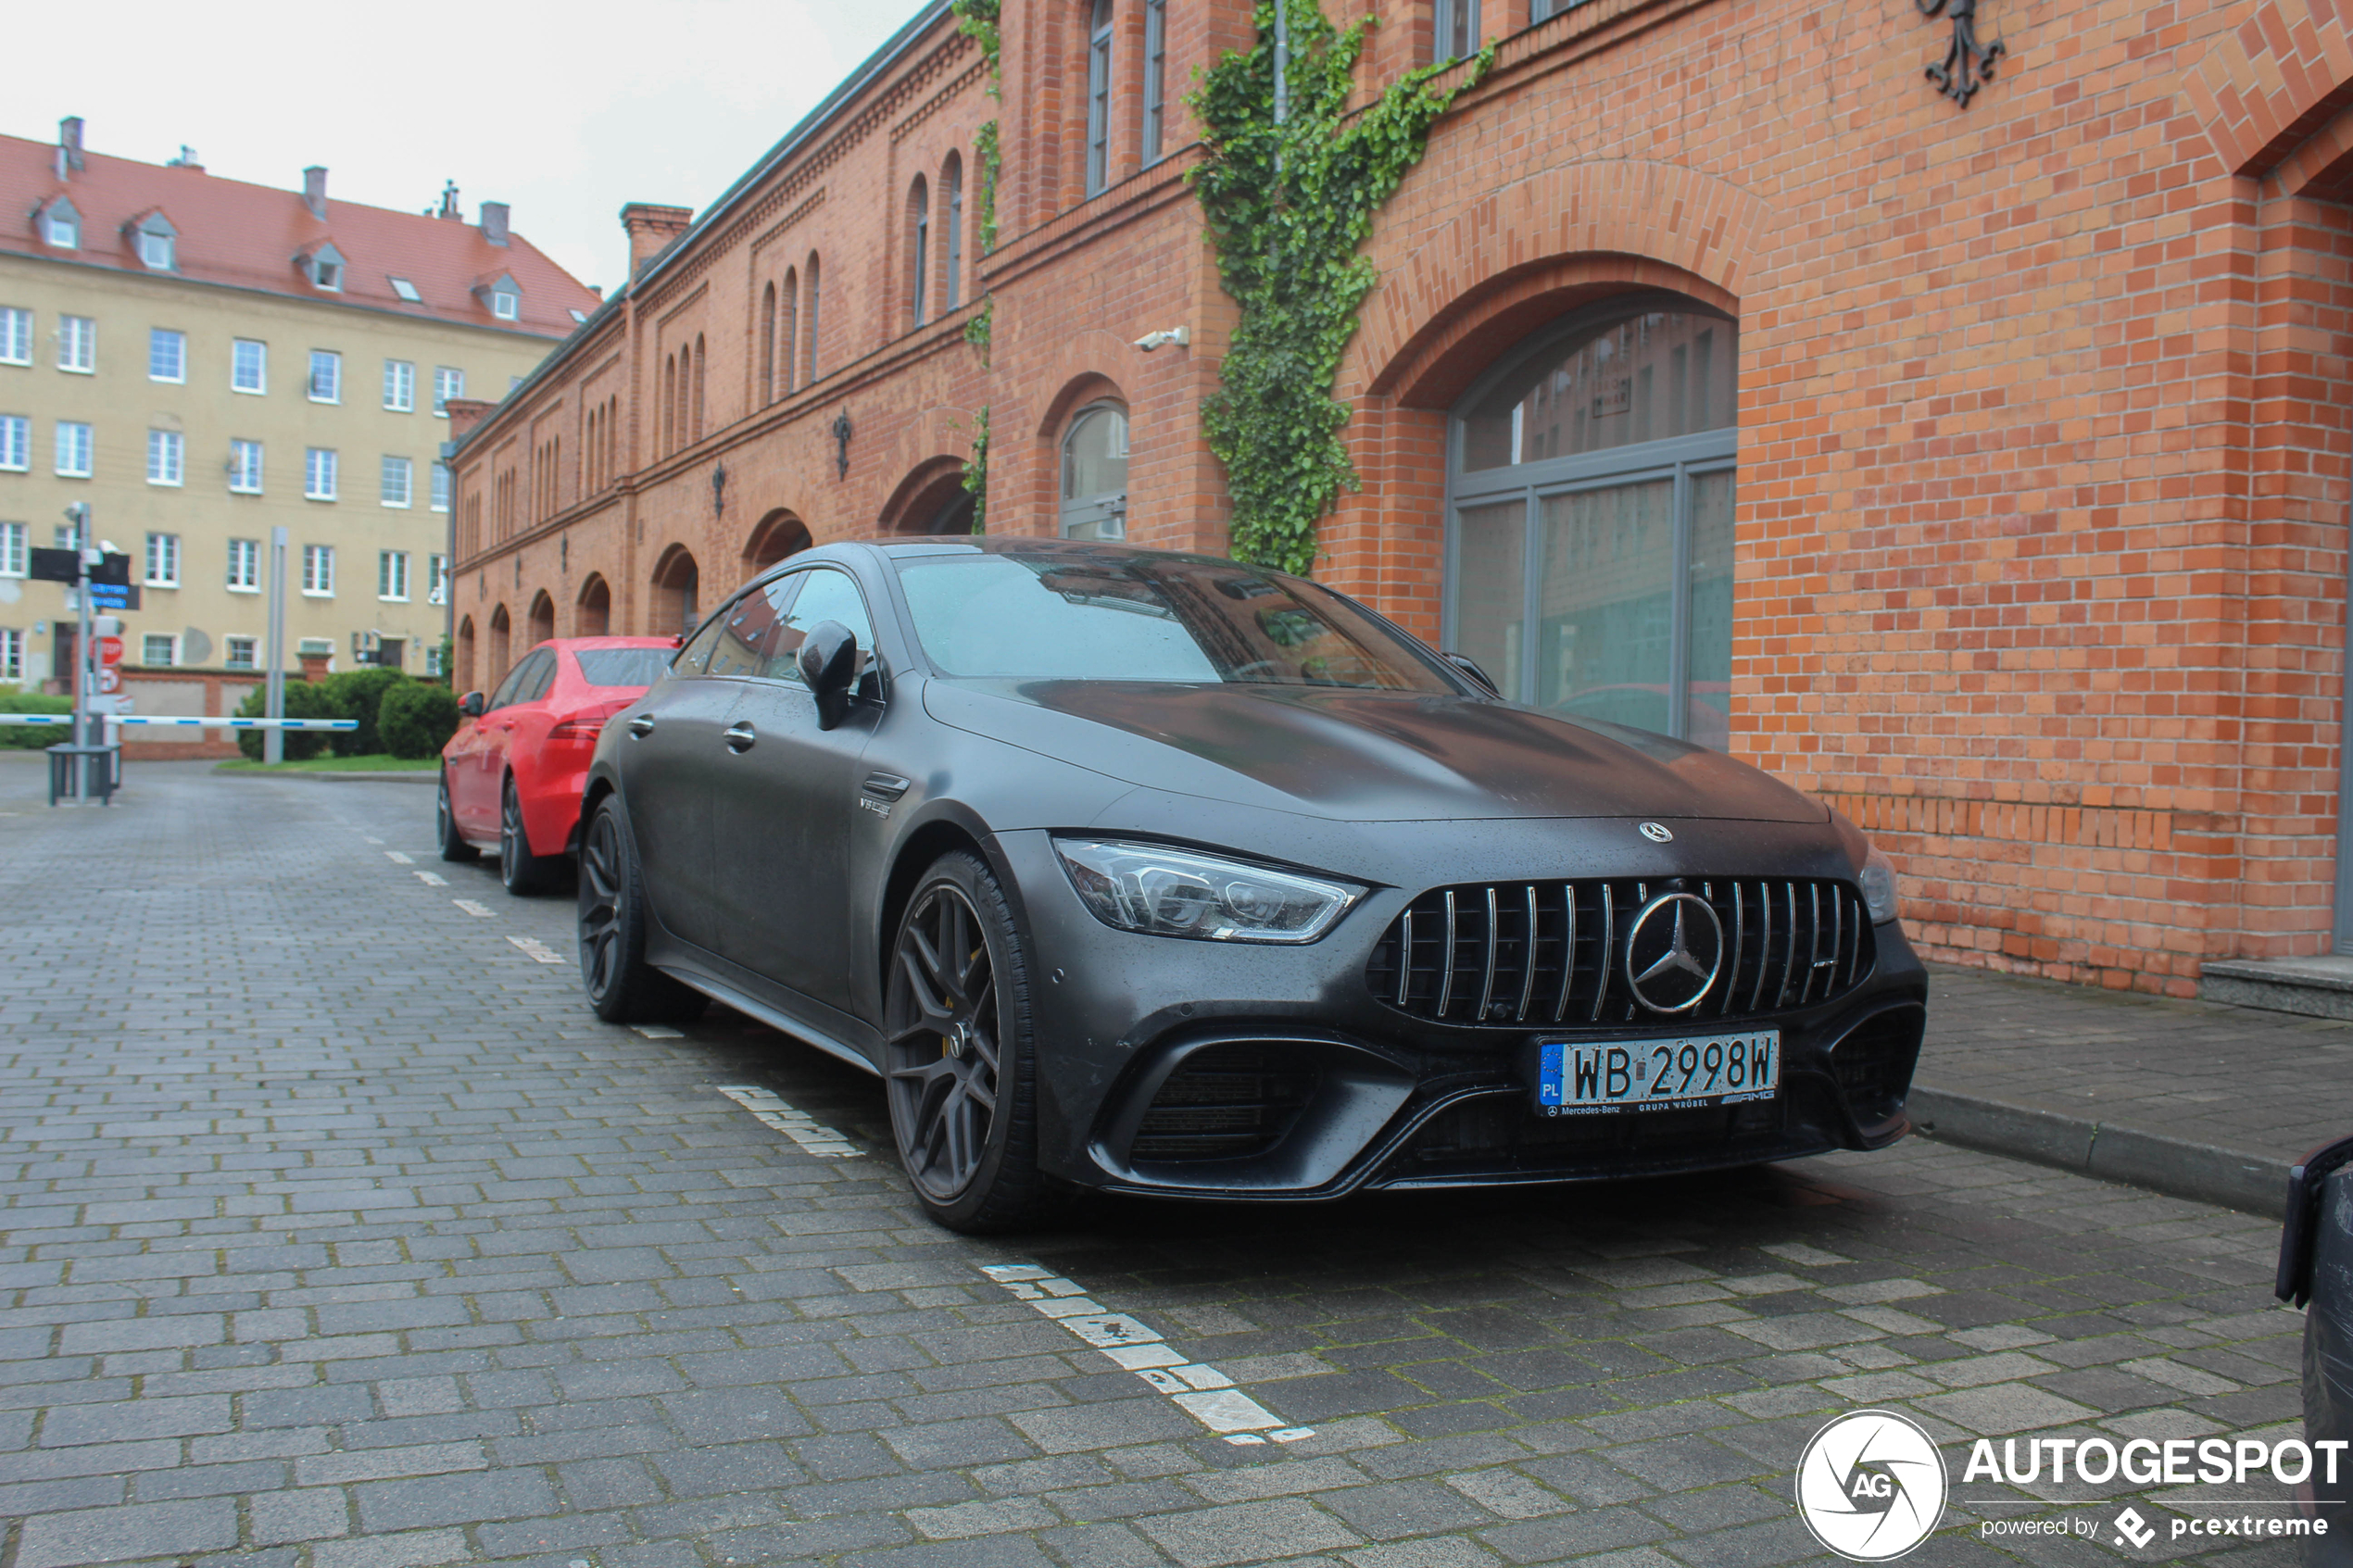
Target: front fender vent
(1552, 955)
(1225, 1102)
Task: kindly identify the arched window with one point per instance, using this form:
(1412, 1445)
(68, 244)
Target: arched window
(808, 325)
(768, 345)
(1099, 41)
(593, 617)
(951, 204)
(788, 337)
(499, 638)
(677, 584)
(1590, 510)
(668, 403)
(699, 388)
(1095, 474)
(918, 250)
(684, 392)
(1156, 79)
(543, 617)
(466, 655)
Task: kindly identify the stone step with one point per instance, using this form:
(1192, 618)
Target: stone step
(2317, 987)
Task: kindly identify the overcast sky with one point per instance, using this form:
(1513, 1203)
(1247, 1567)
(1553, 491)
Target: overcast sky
(563, 111)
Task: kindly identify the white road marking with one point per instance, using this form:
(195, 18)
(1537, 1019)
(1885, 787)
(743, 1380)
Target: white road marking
(537, 949)
(814, 1137)
(1203, 1392)
(432, 879)
(470, 906)
(1804, 1257)
(659, 1032)
(398, 859)
(371, 840)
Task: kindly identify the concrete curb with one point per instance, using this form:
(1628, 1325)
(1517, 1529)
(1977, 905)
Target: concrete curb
(419, 776)
(2254, 1184)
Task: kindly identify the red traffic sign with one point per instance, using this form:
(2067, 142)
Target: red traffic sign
(110, 651)
(110, 680)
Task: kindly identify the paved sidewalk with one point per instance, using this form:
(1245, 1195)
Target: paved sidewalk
(2193, 1099)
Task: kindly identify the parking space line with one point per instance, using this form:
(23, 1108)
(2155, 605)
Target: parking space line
(470, 906)
(398, 859)
(537, 949)
(1203, 1392)
(659, 1032)
(812, 1136)
(432, 879)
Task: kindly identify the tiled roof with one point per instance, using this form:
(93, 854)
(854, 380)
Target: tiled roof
(248, 236)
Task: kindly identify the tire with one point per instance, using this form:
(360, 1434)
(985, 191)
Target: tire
(453, 849)
(522, 873)
(960, 1058)
(622, 988)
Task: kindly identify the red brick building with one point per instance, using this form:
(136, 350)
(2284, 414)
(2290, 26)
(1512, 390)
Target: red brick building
(1981, 466)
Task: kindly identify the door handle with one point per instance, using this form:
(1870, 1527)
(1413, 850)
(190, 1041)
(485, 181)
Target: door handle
(642, 725)
(741, 736)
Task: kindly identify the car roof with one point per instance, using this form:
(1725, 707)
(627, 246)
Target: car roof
(901, 548)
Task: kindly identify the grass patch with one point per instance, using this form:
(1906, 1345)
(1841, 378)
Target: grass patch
(381, 762)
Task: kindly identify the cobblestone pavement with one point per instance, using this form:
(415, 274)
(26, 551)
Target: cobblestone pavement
(339, 1234)
(2271, 1084)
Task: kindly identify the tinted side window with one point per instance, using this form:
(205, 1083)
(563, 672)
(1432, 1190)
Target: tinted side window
(543, 678)
(517, 686)
(828, 596)
(695, 658)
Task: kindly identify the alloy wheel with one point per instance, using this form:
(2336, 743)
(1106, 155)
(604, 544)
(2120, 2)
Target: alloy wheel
(600, 905)
(510, 836)
(944, 1042)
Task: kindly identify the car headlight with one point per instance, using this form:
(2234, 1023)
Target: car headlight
(1166, 892)
(1878, 886)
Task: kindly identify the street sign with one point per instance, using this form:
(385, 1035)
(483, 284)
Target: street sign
(54, 566)
(110, 651)
(110, 680)
(103, 596)
(112, 569)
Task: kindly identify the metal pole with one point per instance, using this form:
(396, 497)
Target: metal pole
(273, 741)
(1282, 67)
(84, 722)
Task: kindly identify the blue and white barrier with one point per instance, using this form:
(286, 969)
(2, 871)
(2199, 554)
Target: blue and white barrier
(67, 719)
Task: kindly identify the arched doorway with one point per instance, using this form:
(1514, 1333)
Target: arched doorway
(1590, 517)
(594, 613)
(779, 535)
(676, 582)
(1094, 476)
(543, 617)
(932, 499)
(500, 648)
(465, 652)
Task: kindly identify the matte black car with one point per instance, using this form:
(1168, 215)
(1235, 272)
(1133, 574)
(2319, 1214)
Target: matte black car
(1162, 873)
(2316, 1273)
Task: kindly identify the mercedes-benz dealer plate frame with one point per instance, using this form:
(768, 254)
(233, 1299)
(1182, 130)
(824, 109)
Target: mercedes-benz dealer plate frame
(1664, 1072)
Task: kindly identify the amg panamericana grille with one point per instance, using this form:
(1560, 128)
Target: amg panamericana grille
(1552, 954)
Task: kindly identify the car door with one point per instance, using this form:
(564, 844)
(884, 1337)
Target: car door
(474, 770)
(785, 802)
(517, 726)
(669, 756)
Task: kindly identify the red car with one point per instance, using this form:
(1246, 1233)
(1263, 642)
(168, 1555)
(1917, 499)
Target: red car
(511, 776)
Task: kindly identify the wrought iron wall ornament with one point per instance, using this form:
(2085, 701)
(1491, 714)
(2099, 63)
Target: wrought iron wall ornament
(719, 491)
(1967, 65)
(842, 430)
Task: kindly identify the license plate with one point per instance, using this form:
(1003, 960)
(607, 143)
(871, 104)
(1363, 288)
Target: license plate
(1587, 1078)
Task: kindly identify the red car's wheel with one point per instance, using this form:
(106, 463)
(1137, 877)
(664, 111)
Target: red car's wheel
(523, 872)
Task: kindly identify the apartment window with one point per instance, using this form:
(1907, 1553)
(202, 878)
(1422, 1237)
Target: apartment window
(319, 474)
(166, 355)
(16, 337)
(504, 304)
(166, 452)
(248, 366)
(244, 652)
(11, 653)
(12, 549)
(159, 648)
(16, 442)
(405, 290)
(326, 376)
(432, 655)
(400, 386)
(918, 247)
(318, 570)
(1156, 78)
(61, 226)
(392, 487)
(245, 565)
(441, 487)
(447, 384)
(1457, 28)
(75, 448)
(64, 537)
(244, 468)
(437, 583)
(951, 176)
(392, 575)
(163, 561)
(1099, 39)
(78, 344)
(326, 268)
(314, 644)
(156, 249)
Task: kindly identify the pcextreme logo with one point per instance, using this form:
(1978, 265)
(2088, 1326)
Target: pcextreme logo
(1871, 1485)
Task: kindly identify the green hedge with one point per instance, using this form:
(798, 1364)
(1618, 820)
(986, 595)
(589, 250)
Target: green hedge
(305, 699)
(357, 693)
(33, 737)
(417, 718)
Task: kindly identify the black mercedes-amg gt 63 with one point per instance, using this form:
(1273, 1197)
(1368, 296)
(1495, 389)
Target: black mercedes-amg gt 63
(1166, 874)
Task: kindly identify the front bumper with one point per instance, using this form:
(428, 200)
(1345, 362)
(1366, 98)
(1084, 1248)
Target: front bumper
(1209, 1069)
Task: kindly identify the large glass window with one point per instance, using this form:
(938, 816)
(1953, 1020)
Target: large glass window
(1099, 40)
(1095, 474)
(1591, 519)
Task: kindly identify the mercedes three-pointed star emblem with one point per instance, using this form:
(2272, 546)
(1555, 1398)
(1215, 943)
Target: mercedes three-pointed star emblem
(1674, 952)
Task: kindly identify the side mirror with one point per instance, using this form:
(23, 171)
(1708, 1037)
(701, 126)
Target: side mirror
(1468, 666)
(828, 661)
(471, 705)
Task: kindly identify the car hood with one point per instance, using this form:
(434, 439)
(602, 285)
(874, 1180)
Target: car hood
(1364, 756)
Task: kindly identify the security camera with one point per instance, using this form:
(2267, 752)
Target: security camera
(1178, 336)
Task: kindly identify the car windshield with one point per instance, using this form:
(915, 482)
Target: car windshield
(624, 667)
(1064, 615)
